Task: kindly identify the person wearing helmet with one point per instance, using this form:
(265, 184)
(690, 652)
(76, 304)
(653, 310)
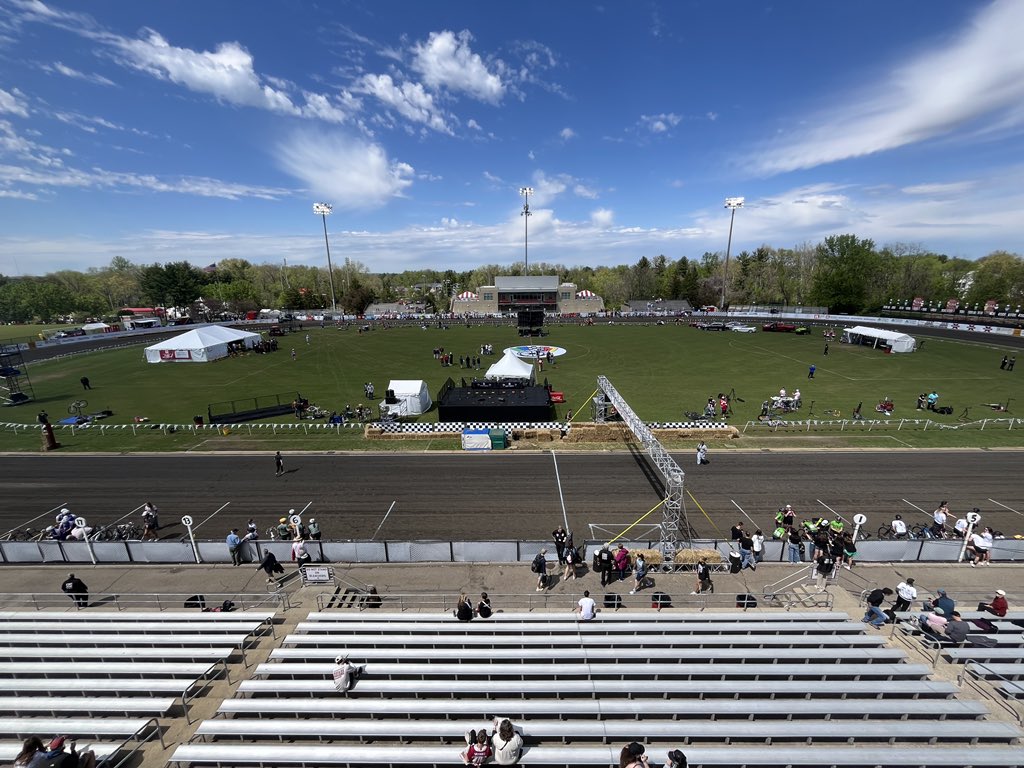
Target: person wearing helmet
(314, 529)
(899, 528)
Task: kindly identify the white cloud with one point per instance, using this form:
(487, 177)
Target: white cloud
(446, 61)
(602, 218)
(59, 68)
(661, 123)
(567, 133)
(351, 173)
(474, 125)
(409, 99)
(582, 190)
(531, 155)
(940, 190)
(974, 80)
(13, 103)
(331, 110)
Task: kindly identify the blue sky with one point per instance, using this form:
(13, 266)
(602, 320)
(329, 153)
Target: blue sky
(201, 131)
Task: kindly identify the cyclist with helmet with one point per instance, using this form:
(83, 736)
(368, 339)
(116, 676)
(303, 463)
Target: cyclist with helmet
(899, 528)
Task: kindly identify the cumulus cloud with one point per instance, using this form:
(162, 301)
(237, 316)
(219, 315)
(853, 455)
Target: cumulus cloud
(953, 90)
(409, 99)
(661, 123)
(351, 173)
(446, 61)
(13, 103)
(567, 133)
(602, 218)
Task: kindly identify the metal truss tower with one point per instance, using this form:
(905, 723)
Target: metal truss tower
(675, 529)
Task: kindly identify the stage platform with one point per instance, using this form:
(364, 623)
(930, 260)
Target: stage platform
(494, 401)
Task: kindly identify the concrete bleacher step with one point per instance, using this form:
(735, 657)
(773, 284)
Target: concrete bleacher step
(699, 757)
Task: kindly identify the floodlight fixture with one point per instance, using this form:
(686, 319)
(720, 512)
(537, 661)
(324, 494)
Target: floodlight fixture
(526, 192)
(323, 210)
(732, 203)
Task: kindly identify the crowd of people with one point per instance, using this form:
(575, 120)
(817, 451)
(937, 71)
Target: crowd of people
(939, 619)
(59, 752)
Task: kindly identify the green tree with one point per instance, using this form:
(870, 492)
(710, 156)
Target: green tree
(844, 266)
(177, 283)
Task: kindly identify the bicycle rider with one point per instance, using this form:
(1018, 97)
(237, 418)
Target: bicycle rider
(899, 528)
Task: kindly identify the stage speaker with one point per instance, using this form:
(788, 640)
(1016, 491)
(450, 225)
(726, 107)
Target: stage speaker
(389, 397)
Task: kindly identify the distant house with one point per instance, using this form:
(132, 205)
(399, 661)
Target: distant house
(514, 293)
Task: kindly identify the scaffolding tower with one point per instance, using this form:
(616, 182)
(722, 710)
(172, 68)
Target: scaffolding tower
(675, 528)
(15, 386)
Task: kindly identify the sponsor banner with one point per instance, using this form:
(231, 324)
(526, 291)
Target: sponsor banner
(175, 354)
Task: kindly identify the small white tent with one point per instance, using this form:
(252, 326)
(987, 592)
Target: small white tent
(411, 397)
(875, 337)
(510, 367)
(92, 329)
(200, 345)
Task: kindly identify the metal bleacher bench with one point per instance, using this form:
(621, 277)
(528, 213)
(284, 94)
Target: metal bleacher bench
(396, 711)
(117, 640)
(979, 653)
(605, 687)
(147, 655)
(439, 630)
(605, 618)
(112, 628)
(131, 616)
(79, 727)
(68, 669)
(708, 757)
(571, 731)
(838, 655)
(145, 687)
(624, 671)
(85, 705)
(1008, 671)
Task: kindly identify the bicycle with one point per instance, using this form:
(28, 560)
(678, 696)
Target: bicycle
(76, 407)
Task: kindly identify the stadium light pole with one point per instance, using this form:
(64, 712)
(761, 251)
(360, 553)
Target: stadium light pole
(732, 203)
(526, 192)
(324, 210)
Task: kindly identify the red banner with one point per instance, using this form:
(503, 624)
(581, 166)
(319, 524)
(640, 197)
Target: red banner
(175, 354)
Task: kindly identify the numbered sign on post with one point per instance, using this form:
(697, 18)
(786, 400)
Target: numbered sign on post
(973, 518)
(187, 521)
(295, 520)
(860, 519)
(80, 522)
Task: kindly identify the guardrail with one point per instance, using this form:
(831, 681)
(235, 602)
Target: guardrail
(39, 601)
(869, 425)
(215, 551)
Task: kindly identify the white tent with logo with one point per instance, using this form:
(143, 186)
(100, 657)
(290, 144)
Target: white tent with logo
(410, 397)
(877, 337)
(510, 367)
(200, 345)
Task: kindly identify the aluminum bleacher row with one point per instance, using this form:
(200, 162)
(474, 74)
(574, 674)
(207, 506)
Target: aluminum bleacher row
(731, 689)
(108, 678)
(995, 655)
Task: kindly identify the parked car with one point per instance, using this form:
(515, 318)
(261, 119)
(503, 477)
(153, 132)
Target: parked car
(740, 328)
(784, 327)
(802, 330)
(714, 327)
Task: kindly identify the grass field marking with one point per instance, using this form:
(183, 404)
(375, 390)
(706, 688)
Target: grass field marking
(752, 521)
(826, 506)
(561, 498)
(901, 442)
(1006, 507)
(219, 509)
(384, 520)
(818, 369)
(45, 514)
(261, 372)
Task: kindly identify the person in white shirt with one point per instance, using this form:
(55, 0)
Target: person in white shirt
(586, 607)
(899, 528)
(758, 540)
(906, 594)
(939, 516)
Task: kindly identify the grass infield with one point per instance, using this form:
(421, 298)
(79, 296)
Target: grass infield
(662, 371)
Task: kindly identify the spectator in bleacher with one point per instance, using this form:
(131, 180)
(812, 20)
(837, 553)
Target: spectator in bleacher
(31, 755)
(56, 756)
(639, 574)
(483, 608)
(632, 756)
(875, 615)
(957, 628)
(941, 600)
(76, 590)
(478, 750)
(622, 561)
(345, 674)
(506, 742)
(933, 623)
(906, 594)
(586, 607)
(675, 759)
(998, 606)
(463, 608)
(234, 543)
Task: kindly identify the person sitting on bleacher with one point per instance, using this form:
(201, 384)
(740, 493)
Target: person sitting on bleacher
(998, 606)
(943, 601)
(933, 623)
(56, 757)
(632, 756)
(957, 628)
(478, 750)
(345, 674)
(676, 759)
(506, 742)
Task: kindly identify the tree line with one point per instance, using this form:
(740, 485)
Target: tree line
(843, 272)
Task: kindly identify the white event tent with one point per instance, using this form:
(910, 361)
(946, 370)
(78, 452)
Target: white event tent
(877, 337)
(510, 367)
(411, 397)
(200, 345)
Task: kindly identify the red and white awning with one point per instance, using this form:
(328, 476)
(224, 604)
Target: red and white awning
(586, 295)
(467, 296)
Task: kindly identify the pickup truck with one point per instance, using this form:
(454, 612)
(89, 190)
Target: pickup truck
(786, 327)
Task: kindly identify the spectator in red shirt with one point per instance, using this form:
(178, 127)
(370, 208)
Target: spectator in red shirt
(478, 751)
(998, 606)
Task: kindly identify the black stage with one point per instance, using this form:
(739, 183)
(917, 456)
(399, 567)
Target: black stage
(501, 402)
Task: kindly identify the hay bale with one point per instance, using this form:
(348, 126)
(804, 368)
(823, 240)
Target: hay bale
(692, 556)
(651, 556)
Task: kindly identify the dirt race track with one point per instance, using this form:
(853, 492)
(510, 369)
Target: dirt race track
(507, 495)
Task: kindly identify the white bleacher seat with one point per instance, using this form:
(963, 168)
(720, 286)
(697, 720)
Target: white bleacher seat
(428, 631)
(51, 626)
(130, 616)
(604, 617)
(85, 705)
(77, 669)
(79, 728)
(142, 655)
(708, 757)
(990, 669)
(982, 654)
(111, 639)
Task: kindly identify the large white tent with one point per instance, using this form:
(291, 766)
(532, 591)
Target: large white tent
(510, 367)
(875, 337)
(411, 397)
(200, 345)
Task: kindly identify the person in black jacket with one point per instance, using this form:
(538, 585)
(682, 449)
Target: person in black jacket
(875, 615)
(76, 590)
(269, 565)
